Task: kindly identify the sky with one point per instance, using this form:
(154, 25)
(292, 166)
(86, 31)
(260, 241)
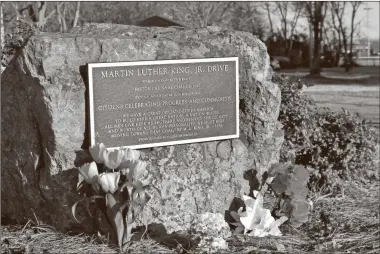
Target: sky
(373, 20)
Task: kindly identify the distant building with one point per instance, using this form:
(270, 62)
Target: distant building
(159, 21)
(360, 49)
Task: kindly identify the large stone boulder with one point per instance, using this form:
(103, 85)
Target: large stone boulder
(44, 124)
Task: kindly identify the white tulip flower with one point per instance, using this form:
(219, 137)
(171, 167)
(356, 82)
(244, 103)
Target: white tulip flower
(131, 154)
(129, 158)
(89, 171)
(113, 158)
(109, 182)
(137, 170)
(97, 152)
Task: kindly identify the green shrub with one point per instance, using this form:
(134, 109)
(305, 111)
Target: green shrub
(335, 145)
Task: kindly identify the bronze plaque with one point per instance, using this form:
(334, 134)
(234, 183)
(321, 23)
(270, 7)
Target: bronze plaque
(167, 102)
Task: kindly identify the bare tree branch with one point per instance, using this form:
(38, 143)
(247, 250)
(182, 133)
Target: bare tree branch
(15, 6)
(267, 8)
(355, 7)
(59, 15)
(41, 14)
(64, 24)
(77, 12)
(51, 13)
(282, 7)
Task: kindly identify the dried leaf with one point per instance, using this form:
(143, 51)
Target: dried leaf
(296, 209)
(280, 247)
(145, 221)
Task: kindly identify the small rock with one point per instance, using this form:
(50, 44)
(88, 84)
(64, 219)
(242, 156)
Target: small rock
(211, 225)
(239, 149)
(212, 245)
(224, 150)
(213, 229)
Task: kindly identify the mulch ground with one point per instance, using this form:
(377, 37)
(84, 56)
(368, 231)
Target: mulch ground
(347, 222)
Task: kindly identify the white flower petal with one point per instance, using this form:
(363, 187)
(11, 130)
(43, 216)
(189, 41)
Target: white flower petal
(96, 152)
(89, 171)
(137, 170)
(109, 181)
(131, 154)
(113, 158)
(257, 219)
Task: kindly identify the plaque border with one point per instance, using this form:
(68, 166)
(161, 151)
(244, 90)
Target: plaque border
(91, 66)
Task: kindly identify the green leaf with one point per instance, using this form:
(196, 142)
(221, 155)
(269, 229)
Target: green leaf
(300, 213)
(239, 230)
(80, 181)
(128, 225)
(297, 210)
(278, 168)
(236, 224)
(141, 192)
(301, 174)
(235, 215)
(73, 208)
(115, 215)
(95, 197)
(291, 182)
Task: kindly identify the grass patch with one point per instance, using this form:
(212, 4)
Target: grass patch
(371, 71)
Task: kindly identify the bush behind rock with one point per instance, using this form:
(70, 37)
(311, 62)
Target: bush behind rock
(335, 145)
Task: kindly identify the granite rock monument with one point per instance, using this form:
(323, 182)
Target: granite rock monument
(44, 124)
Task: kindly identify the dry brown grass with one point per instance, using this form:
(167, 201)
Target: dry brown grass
(43, 239)
(345, 223)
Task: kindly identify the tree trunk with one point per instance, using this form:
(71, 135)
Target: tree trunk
(310, 46)
(345, 46)
(355, 7)
(338, 53)
(316, 68)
